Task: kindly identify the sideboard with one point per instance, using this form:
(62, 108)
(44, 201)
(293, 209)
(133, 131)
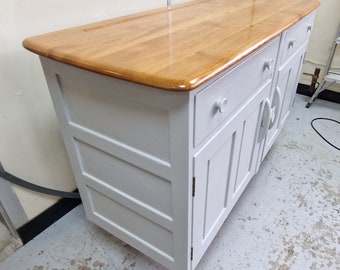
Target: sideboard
(167, 115)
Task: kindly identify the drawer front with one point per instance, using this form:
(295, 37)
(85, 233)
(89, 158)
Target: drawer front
(216, 103)
(296, 36)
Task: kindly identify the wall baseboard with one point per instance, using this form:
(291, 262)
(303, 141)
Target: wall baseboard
(325, 95)
(38, 224)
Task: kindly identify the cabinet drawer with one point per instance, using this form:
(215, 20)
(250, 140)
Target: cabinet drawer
(296, 36)
(218, 101)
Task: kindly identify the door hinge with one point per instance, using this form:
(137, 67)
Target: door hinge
(192, 253)
(193, 186)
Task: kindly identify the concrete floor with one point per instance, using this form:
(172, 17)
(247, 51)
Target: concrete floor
(288, 217)
(8, 242)
(5, 239)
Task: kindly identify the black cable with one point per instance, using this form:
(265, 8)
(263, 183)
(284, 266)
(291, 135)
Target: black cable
(328, 119)
(20, 182)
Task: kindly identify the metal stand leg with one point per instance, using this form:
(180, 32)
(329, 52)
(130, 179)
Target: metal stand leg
(8, 222)
(323, 86)
(330, 77)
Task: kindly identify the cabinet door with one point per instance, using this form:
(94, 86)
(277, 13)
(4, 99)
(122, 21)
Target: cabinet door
(283, 97)
(222, 170)
(287, 81)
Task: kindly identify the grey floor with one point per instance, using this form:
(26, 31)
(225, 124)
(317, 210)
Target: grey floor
(8, 242)
(288, 217)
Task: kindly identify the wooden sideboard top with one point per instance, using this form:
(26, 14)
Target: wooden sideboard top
(177, 48)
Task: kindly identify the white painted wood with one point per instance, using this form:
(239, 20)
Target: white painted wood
(137, 151)
(133, 178)
(287, 82)
(223, 168)
(235, 87)
(250, 147)
(110, 172)
(131, 122)
(296, 36)
(287, 77)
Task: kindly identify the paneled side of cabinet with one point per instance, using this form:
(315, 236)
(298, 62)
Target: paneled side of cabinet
(129, 159)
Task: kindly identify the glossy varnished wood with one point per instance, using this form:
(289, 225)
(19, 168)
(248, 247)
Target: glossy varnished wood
(176, 48)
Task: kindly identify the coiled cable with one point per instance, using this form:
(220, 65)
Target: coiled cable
(327, 119)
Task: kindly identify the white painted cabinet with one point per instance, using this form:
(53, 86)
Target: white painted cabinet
(224, 165)
(288, 76)
(162, 170)
(223, 169)
(293, 47)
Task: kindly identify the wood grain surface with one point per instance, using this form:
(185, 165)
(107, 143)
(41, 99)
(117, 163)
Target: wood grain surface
(177, 48)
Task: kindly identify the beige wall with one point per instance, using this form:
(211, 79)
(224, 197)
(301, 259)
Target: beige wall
(30, 143)
(325, 26)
